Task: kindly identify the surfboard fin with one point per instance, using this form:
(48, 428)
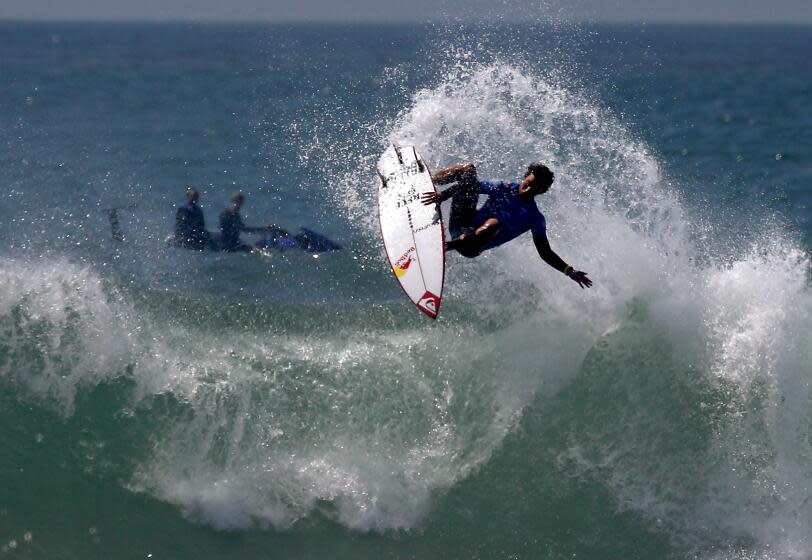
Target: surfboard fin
(420, 166)
(115, 225)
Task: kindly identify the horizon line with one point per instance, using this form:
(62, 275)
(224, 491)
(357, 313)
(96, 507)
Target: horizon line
(436, 21)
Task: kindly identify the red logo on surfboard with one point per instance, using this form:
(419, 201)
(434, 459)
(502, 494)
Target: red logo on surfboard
(400, 269)
(429, 304)
(403, 263)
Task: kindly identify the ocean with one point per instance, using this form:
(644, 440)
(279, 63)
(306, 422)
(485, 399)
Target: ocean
(163, 403)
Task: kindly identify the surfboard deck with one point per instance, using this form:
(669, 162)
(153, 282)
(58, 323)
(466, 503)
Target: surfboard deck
(413, 233)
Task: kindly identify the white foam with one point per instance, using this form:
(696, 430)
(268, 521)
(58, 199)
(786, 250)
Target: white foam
(270, 427)
(64, 327)
(370, 425)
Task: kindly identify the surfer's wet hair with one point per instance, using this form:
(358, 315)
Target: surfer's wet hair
(542, 173)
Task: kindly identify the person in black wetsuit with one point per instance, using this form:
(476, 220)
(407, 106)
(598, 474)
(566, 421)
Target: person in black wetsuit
(190, 226)
(231, 225)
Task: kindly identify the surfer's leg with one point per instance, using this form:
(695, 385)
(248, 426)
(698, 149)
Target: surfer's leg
(470, 243)
(463, 205)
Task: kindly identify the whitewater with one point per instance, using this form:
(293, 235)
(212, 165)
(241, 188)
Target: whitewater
(670, 403)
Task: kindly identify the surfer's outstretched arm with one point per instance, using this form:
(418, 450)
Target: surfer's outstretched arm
(550, 257)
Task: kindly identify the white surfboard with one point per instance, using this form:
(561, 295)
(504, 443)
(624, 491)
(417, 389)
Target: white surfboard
(412, 232)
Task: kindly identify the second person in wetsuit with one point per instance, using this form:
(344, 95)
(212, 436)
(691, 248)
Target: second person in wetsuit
(231, 225)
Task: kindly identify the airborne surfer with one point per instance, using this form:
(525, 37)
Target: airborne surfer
(509, 212)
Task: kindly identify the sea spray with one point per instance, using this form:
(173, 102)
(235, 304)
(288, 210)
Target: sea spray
(736, 323)
(677, 386)
(63, 327)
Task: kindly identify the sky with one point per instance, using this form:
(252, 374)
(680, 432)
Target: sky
(651, 11)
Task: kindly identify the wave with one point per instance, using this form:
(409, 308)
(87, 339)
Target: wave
(738, 319)
(681, 379)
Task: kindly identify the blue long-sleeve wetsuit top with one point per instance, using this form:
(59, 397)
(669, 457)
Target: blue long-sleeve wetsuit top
(515, 216)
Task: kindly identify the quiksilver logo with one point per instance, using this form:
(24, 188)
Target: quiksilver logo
(429, 303)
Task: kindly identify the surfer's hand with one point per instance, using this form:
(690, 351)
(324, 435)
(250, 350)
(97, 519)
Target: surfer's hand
(580, 277)
(429, 198)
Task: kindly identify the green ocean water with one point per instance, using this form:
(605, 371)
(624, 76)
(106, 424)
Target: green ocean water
(160, 403)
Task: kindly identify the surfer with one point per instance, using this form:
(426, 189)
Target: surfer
(509, 212)
(231, 225)
(190, 226)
